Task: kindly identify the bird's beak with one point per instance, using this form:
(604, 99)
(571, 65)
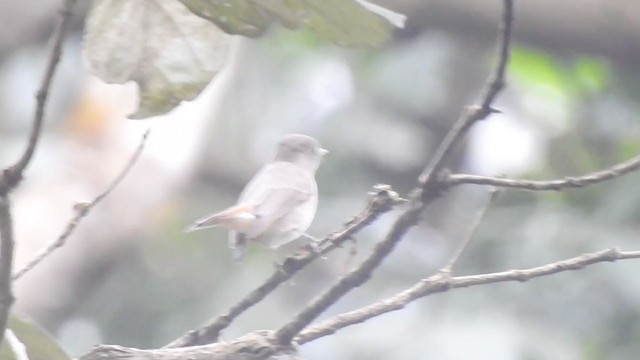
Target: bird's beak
(322, 152)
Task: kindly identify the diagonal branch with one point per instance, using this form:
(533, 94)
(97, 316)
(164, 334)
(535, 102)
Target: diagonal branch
(594, 178)
(439, 283)
(383, 199)
(429, 189)
(81, 211)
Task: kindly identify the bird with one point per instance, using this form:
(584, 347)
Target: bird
(278, 204)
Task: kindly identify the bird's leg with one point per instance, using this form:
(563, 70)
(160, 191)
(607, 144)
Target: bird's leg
(314, 244)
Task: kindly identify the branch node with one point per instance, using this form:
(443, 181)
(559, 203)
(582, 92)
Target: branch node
(520, 276)
(10, 179)
(493, 110)
(7, 300)
(81, 207)
(383, 198)
(613, 254)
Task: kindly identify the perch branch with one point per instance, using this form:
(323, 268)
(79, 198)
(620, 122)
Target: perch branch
(428, 189)
(383, 199)
(81, 211)
(439, 283)
(257, 345)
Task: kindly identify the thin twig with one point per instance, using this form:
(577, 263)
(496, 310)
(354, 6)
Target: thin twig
(13, 174)
(473, 229)
(82, 210)
(428, 190)
(594, 178)
(439, 283)
(17, 348)
(383, 199)
(6, 262)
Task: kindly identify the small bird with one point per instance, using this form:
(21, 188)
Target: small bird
(278, 205)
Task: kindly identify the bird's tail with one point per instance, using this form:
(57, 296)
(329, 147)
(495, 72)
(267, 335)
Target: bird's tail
(211, 221)
(231, 218)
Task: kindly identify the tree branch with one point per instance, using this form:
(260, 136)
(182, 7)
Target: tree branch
(257, 345)
(429, 189)
(594, 178)
(439, 283)
(12, 175)
(81, 211)
(473, 114)
(382, 200)
(6, 262)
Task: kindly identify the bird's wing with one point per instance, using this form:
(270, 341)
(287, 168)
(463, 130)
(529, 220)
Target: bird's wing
(275, 190)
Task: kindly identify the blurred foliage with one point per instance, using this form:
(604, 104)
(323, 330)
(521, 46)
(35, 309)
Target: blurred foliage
(568, 77)
(39, 345)
(629, 147)
(591, 73)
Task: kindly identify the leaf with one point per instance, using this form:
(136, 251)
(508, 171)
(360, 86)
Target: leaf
(349, 23)
(171, 54)
(234, 17)
(39, 345)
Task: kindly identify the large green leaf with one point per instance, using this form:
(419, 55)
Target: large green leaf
(159, 44)
(39, 345)
(350, 23)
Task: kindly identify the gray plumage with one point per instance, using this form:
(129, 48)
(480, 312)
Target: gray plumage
(279, 203)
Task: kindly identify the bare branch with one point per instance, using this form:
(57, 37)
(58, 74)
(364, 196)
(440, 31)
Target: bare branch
(473, 229)
(347, 282)
(439, 283)
(429, 189)
(257, 345)
(6, 261)
(82, 210)
(495, 83)
(594, 178)
(383, 199)
(13, 174)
